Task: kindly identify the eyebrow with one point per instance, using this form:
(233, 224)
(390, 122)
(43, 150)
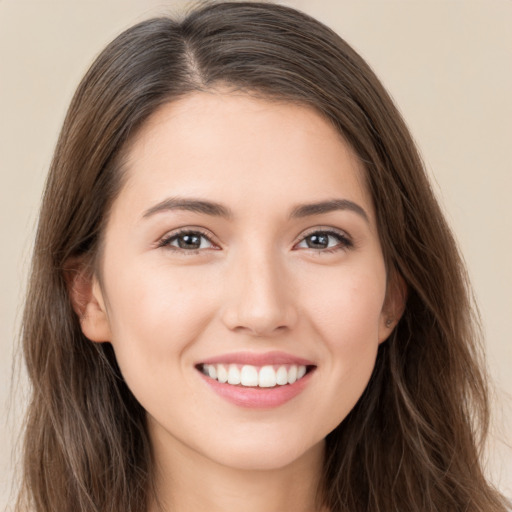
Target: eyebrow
(305, 210)
(218, 210)
(192, 205)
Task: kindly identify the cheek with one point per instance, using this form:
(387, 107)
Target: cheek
(156, 313)
(348, 312)
(347, 319)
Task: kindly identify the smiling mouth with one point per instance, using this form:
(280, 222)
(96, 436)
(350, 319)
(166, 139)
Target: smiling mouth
(267, 376)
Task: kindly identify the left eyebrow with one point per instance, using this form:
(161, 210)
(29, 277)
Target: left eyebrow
(192, 205)
(305, 210)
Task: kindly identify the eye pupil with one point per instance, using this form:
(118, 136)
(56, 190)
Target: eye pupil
(189, 241)
(318, 241)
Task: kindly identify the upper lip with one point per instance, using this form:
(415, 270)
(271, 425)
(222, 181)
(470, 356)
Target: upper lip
(257, 359)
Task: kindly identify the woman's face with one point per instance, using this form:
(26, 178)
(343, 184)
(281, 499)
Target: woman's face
(243, 246)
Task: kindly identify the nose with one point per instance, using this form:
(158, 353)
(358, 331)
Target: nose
(259, 297)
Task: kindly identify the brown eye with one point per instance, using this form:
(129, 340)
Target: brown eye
(188, 241)
(324, 240)
(318, 241)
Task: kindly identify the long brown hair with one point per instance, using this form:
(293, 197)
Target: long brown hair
(413, 441)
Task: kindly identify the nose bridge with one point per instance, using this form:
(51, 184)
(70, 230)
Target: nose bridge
(259, 301)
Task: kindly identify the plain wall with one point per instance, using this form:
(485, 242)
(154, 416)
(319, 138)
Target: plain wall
(446, 63)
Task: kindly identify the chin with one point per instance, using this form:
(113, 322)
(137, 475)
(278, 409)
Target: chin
(267, 455)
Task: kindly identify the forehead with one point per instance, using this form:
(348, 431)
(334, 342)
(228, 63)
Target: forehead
(241, 148)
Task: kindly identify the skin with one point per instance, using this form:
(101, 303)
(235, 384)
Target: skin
(255, 284)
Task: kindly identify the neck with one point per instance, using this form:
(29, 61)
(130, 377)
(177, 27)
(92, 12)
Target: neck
(185, 480)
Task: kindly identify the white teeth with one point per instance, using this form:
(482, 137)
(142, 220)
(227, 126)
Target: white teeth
(301, 371)
(282, 376)
(249, 376)
(222, 374)
(292, 374)
(233, 374)
(212, 371)
(253, 376)
(267, 377)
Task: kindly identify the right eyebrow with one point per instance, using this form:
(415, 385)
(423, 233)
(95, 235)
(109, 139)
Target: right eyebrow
(305, 210)
(189, 204)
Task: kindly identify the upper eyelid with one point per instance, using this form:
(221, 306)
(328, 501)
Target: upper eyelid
(345, 241)
(214, 240)
(323, 229)
(184, 230)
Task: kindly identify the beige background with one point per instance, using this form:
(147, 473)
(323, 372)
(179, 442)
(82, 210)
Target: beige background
(447, 64)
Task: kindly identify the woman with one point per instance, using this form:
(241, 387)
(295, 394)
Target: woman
(243, 292)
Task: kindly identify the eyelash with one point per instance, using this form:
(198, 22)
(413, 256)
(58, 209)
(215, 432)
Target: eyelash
(344, 241)
(166, 241)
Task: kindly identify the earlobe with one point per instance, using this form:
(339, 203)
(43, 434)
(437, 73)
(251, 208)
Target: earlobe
(88, 302)
(394, 306)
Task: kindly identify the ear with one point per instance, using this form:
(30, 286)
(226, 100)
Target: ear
(88, 301)
(394, 305)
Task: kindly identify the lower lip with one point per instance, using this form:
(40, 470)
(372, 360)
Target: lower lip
(258, 398)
